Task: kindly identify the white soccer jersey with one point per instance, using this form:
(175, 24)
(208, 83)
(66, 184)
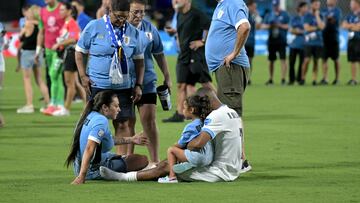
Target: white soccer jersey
(225, 127)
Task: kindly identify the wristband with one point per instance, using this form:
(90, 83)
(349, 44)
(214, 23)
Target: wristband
(139, 85)
(38, 50)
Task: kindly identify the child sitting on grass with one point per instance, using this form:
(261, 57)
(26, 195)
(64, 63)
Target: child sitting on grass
(197, 109)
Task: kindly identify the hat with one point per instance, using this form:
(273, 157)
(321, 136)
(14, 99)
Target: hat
(276, 2)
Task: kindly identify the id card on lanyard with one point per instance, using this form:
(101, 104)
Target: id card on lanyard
(119, 73)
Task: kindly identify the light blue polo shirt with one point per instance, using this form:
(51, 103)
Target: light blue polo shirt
(96, 41)
(312, 38)
(227, 17)
(96, 128)
(153, 47)
(299, 40)
(191, 131)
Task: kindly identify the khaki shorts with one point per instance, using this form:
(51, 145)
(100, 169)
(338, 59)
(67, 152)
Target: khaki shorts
(231, 83)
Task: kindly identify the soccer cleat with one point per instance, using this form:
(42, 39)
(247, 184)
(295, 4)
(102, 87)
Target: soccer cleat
(26, 109)
(50, 110)
(176, 118)
(269, 82)
(245, 167)
(166, 179)
(314, 83)
(302, 82)
(62, 111)
(335, 82)
(182, 167)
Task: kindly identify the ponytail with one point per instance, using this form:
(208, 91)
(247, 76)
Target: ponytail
(75, 147)
(101, 98)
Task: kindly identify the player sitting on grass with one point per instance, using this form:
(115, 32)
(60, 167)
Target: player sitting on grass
(92, 142)
(197, 109)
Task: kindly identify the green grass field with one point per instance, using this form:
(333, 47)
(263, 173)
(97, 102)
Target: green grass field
(303, 144)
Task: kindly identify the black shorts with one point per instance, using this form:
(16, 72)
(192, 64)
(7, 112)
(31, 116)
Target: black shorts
(192, 73)
(69, 60)
(313, 51)
(331, 50)
(149, 98)
(250, 51)
(127, 109)
(353, 50)
(276, 48)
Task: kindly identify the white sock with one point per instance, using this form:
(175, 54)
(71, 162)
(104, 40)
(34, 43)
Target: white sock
(131, 176)
(109, 174)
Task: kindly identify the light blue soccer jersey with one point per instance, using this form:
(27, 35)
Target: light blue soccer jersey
(96, 41)
(312, 38)
(227, 17)
(299, 40)
(191, 131)
(96, 128)
(154, 46)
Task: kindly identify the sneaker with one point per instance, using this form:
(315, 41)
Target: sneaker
(61, 111)
(175, 118)
(245, 167)
(324, 82)
(182, 167)
(352, 82)
(302, 82)
(314, 83)
(166, 179)
(269, 82)
(335, 82)
(26, 109)
(283, 82)
(50, 110)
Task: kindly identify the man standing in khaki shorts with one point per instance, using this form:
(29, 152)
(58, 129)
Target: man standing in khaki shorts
(226, 56)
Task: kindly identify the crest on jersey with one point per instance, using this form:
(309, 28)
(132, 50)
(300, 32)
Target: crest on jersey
(126, 40)
(149, 35)
(101, 133)
(220, 14)
(51, 21)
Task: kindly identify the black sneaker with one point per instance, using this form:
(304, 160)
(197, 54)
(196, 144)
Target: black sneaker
(335, 82)
(324, 82)
(302, 82)
(269, 82)
(176, 118)
(245, 167)
(352, 82)
(314, 83)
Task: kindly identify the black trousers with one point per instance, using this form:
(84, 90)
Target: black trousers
(292, 60)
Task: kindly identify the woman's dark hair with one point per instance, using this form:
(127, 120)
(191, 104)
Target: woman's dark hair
(120, 5)
(74, 11)
(201, 105)
(101, 98)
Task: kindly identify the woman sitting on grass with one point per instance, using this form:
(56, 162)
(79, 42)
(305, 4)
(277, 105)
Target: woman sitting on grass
(93, 141)
(197, 109)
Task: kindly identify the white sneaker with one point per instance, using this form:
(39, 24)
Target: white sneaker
(62, 111)
(166, 179)
(26, 109)
(246, 167)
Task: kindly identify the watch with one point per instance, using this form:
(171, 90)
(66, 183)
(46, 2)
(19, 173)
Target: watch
(139, 85)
